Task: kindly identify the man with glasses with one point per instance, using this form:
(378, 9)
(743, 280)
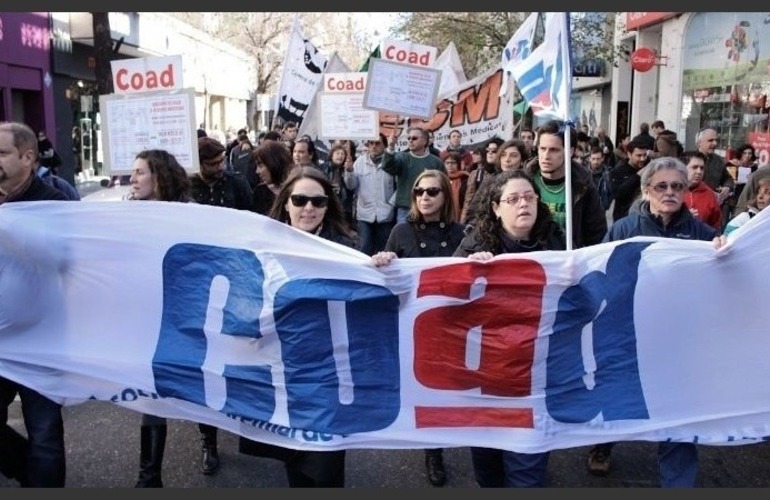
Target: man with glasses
(374, 187)
(213, 184)
(405, 166)
(662, 213)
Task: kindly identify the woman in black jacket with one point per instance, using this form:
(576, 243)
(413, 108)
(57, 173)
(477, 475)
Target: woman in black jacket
(431, 230)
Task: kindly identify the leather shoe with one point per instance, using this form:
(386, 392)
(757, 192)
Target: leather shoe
(434, 465)
(209, 460)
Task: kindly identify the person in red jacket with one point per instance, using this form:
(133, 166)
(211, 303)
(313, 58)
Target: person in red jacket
(699, 198)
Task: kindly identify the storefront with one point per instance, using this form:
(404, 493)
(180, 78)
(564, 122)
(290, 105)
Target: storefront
(26, 93)
(707, 69)
(726, 79)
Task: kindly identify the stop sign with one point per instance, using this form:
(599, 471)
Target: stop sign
(643, 59)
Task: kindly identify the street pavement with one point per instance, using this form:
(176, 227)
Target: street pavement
(102, 441)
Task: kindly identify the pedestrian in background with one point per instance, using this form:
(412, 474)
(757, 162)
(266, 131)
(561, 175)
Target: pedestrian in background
(39, 460)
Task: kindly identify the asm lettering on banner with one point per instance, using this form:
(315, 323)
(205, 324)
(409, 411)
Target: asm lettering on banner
(508, 315)
(322, 373)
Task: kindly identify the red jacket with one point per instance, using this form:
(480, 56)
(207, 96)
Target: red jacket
(703, 199)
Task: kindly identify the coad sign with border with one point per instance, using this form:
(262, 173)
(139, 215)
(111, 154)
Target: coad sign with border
(144, 74)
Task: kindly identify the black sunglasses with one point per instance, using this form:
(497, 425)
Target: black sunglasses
(300, 200)
(432, 191)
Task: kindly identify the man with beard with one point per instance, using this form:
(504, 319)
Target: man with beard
(213, 185)
(589, 222)
(625, 178)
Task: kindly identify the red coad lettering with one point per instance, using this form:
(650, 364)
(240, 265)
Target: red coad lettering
(508, 314)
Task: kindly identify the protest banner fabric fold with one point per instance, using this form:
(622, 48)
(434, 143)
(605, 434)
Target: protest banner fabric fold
(233, 319)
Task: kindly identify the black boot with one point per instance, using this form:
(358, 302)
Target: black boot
(153, 442)
(434, 466)
(210, 456)
(13, 455)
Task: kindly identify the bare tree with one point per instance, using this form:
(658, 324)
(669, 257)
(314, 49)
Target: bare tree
(103, 52)
(265, 35)
(481, 36)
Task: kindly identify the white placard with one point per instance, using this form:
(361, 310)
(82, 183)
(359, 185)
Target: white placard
(148, 120)
(147, 74)
(404, 89)
(343, 116)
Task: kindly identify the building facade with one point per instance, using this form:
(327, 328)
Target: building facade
(711, 69)
(47, 78)
(26, 83)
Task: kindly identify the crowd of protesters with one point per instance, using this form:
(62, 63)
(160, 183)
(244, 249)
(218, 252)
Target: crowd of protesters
(474, 201)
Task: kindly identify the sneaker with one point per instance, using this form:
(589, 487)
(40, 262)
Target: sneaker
(599, 460)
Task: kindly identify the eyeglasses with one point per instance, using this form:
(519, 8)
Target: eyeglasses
(514, 199)
(662, 187)
(413, 138)
(300, 200)
(431, 191)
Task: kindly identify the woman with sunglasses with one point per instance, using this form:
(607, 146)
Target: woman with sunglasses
(431, 230)
(662, 213)
(307, 202)
(511, 219)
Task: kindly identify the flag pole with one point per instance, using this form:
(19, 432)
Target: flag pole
(568, 184)
(568, 209)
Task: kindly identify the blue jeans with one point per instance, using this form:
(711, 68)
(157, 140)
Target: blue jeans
(374, 235)
(507, 469)
(678, 464)
(45, 456)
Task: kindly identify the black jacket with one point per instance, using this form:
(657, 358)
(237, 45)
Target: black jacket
(39, 190)
(231, 191)
(589, 222)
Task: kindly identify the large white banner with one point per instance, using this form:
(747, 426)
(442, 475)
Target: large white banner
(230, 318)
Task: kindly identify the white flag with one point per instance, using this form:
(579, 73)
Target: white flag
(517, 48)
(302, 74)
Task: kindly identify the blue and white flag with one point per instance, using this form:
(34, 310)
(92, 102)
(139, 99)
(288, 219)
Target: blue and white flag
(544, 76)
(518, 48)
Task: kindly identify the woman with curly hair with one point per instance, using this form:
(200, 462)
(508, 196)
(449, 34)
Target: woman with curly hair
(158, 176)
(513, 220)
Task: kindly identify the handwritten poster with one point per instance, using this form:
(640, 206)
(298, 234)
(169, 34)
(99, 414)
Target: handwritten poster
(163, 119)
(343, 116)
(404, 89)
